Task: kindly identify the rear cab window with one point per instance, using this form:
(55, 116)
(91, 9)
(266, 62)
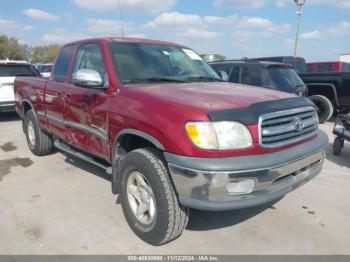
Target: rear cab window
(62, 63)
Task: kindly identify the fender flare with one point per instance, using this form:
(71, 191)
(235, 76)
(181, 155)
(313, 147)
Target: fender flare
(332, 86)
(116, 156)
(141, 134)
(22, 112)
(30, 104)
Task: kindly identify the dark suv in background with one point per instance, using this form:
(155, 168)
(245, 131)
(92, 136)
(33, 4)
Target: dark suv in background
(269, 75)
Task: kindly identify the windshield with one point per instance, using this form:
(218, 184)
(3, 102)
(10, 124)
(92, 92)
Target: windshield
(285, 79)
(17, 70)
(144, 63)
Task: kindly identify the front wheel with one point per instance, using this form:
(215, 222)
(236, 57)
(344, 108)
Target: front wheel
(148, 199)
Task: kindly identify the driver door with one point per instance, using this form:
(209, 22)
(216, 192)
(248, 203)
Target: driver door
(86, 113)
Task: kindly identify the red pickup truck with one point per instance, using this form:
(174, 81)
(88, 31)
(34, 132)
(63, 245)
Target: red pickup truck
(171, 134)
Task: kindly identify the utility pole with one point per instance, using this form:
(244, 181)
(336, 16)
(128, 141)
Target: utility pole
(299, 14)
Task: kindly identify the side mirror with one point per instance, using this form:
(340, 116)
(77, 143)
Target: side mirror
(223, 75)
(88, 78)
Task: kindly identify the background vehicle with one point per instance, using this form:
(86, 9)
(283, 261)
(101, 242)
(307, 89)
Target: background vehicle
(330, 92)
(342, 131)
(44, 69)
(8, 71)
(172, 134)
(328, 67)
(298, 63)
(269, 75)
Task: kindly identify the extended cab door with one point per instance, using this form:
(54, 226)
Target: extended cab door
(86, 114)
(55, 93)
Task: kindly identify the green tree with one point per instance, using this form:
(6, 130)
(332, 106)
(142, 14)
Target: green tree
(44, 54)
(10, 48)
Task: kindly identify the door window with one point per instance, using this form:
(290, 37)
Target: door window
(232, 71)
(222, 67)
(246, 76)
(235, 73)
(62, 63)
(90, 57)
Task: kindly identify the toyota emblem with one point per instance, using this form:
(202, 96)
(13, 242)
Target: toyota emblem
(298, 124)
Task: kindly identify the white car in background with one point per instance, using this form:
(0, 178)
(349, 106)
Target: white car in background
(44, 69)
(9, 70)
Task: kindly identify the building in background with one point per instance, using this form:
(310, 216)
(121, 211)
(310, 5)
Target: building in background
(345, 58)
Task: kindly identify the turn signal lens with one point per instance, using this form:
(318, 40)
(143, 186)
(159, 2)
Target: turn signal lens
(202, 135)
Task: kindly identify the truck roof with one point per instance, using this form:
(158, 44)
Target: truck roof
(127, 40)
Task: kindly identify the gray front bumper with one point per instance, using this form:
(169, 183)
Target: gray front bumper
(201, 182)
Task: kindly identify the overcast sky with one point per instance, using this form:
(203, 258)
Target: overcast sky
(235, 28)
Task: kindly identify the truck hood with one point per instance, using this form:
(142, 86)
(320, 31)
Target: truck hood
(209, 95)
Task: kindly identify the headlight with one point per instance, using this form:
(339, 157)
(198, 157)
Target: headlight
(219, 135)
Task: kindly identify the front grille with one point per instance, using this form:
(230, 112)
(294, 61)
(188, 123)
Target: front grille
(286, 127)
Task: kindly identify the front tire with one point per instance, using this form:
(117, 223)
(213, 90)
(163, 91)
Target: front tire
(148, 199)
(338, 146)
(325, 107)
(39, 142)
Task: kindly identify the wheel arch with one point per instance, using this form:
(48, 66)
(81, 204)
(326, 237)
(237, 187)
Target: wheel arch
(128, 135)
(26, 105)
(128, 140)
(326, 89)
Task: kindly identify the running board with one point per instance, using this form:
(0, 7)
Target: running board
(71, 151)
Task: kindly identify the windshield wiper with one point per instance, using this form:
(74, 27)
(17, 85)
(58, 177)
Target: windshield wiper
(204, 79)
(155, 80)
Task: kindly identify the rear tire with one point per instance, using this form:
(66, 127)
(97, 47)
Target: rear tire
(324, 106)
(167, 219)
(337, 146)
(39, 142)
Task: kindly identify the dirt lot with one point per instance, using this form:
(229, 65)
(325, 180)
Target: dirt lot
(56, 205)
